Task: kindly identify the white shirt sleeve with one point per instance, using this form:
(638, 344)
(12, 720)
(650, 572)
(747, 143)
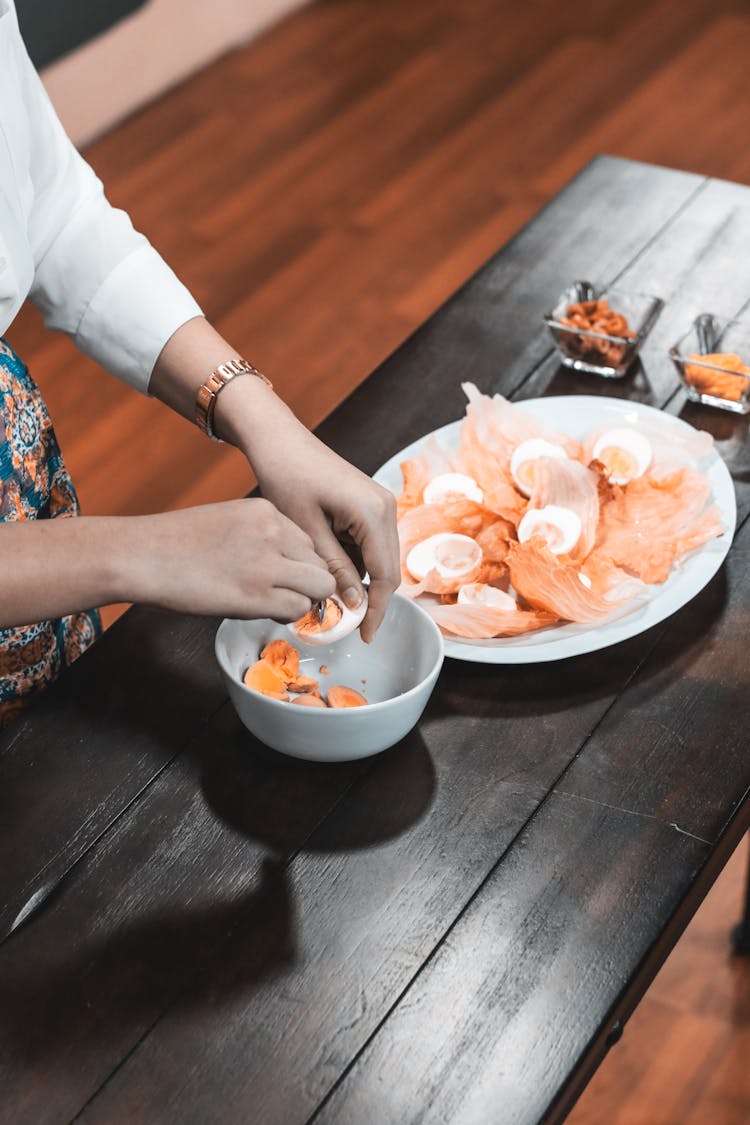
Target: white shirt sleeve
(94, 276)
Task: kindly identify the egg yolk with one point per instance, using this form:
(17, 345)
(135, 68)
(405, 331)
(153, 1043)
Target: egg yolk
(619, 463)
(525, 474)
(267, 680)
(309, 625)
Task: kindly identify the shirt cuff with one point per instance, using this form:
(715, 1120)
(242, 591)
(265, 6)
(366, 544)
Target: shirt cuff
(139, 305)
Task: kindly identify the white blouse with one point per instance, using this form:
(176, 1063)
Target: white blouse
(63, 245)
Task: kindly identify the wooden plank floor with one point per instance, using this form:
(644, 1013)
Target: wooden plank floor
(322, 191)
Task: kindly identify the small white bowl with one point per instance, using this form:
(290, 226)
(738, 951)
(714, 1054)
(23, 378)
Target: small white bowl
(396, 673)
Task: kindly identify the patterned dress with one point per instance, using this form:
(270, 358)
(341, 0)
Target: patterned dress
(35, 485)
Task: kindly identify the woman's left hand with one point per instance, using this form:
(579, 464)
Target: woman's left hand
(350, 519)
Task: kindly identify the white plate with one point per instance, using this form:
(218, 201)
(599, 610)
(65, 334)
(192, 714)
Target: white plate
(576, 415)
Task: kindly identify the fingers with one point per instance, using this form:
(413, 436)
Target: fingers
(287, 605)
(339, 564)
(380, 553)
(314, 582)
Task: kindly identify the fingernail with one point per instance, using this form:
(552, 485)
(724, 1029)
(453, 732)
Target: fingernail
(352, 597)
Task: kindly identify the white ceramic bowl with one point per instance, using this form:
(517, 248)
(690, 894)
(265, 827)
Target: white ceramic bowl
(396, 674)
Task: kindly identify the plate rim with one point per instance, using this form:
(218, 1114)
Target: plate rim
(710, 556)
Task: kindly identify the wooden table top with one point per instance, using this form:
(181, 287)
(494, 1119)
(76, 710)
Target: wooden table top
(449, 932)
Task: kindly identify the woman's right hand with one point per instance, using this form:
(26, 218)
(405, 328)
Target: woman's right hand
(240, 558)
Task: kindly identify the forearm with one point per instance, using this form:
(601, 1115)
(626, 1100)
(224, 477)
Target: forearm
(247, 410)
(55, 567)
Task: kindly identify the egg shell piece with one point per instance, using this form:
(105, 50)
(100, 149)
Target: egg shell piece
(637, 448)
(559, 527)
(446, 485)
(350, 620)
(479, 593)
(449, 553)
(529, 451)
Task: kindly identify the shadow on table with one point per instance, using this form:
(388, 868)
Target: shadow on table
(266, 796)
(661, 654)
(729, 431)
(633, 386)
(97, 997)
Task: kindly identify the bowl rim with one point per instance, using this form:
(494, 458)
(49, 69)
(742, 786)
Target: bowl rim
(370, 707)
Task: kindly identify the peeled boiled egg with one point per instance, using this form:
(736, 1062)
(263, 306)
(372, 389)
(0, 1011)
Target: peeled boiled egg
(449, 553)
(479, 593)
(524, 456)
(448, 486)
(559, 527)
(625, 454)
(339, 621)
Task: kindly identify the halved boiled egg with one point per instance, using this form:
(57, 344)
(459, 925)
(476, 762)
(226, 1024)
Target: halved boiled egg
(338, 622)
(625, 454)
(449, 553)
(479, 593)
(559, 527)
(450, 486)
(524, 456)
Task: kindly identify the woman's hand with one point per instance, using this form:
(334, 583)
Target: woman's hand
(241, 558)
(350, 519)
(347, 516)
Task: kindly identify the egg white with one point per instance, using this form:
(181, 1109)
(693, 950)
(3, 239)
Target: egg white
(430, 555)
(559, 527)
(351, 619)
(532, 450)
(479, 593)
(447, 485)
(632, 442)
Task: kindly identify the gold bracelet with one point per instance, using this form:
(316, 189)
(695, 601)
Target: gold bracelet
(208, 392)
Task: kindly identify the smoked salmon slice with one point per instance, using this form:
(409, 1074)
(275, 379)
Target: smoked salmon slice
(650, 524)
(482, 622)
(550, 583)
(417, 472)
(463, 517)
(569, 484)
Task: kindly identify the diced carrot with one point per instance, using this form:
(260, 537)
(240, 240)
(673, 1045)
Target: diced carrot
(265, 679)
(283, 658)
(308, 701)
(324, 669)
(341, 696)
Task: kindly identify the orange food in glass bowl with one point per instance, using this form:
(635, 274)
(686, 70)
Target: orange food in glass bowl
(722, 374)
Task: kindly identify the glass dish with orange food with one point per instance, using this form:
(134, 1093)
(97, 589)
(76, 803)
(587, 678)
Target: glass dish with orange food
(713, 361)
(601, 333)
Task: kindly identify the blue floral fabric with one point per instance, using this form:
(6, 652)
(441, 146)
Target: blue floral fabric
(34, 484)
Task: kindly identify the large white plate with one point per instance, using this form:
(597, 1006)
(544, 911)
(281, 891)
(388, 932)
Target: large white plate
(576, 414)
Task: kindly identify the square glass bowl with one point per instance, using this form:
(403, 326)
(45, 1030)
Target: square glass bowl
(600, 342)
(713, 362)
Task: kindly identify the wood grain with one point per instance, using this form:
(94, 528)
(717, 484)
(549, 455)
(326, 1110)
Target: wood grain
(363, 189)
(278, 994)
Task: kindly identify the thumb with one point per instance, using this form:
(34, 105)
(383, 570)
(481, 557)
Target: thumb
(339, 564)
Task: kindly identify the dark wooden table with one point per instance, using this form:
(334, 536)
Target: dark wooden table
(451, 932)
